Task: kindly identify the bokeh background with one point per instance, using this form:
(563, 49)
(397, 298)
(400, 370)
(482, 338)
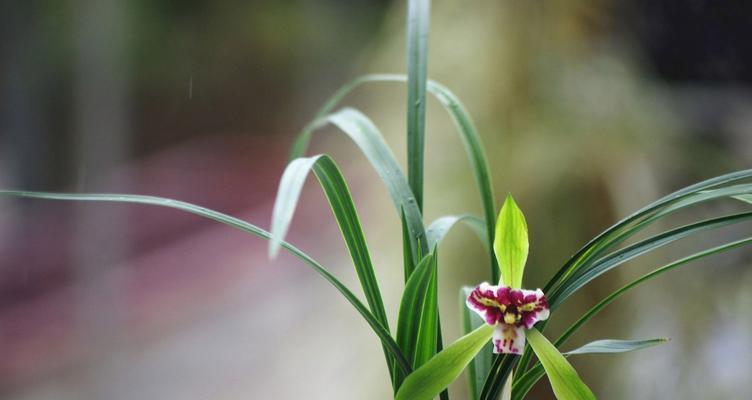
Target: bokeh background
(588, 111)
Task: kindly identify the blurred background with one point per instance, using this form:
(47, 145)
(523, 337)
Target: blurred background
(587, 110)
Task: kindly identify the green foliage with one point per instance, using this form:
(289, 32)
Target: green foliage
(407, 259)
(565, 382)
(376, 326)
(616, 294)
(585, 274)
(466, 130)
(523, 385)
(594, 256)
(417, 76)
(417, 368)
(441, 226)
(429, 380)
(341, 203)
(372, 144)
(616, 346)
(481, 364)
(747, 198)
(418, 315)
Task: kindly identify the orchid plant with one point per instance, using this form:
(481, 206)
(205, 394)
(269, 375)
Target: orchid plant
(509, 308)
(512, 312)
(419, 365)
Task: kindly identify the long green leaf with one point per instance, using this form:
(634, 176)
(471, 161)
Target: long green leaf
(591, 268)
(477, 157)
(417, 322)
(523, 385)
(579, 280)
(704, 196)
(337, 193)
(288, 193)
(511, 243)
(434, 376)
(616, 294)
(341, 203)
(708, 190)
(376, 326)
(619, 232)
(303, 139)
(615, 234)
(616, 346)
(668, 267)
(481, 364)
(685, 201)
(429, 329)
(565, 381)
(465, 128)
(417, 76)
(408, 262)
(501, 370)
(367, 137)
(441, 226)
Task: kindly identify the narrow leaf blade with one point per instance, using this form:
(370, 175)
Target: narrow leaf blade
(343, 208)
(434, 376)
(616, 346)
(481, 364)
(407, 259)
(466, 130)
(477, 157)
(523, 385)
(244, 226)
(417, 76)
(288, 193)
(441, 226)
(565, 381)
(417, 321)
(658, 271)
(369, 140)
(694, 194)
(428, 329)
(747, 198)
(710, 189)
(582, 277)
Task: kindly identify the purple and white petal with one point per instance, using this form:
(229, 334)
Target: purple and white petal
(511, 311)
(534, 307)
(483, 300)
(508, 339)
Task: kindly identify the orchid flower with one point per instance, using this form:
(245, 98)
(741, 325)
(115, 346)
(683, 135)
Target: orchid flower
(511, 311)
(507, 307)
